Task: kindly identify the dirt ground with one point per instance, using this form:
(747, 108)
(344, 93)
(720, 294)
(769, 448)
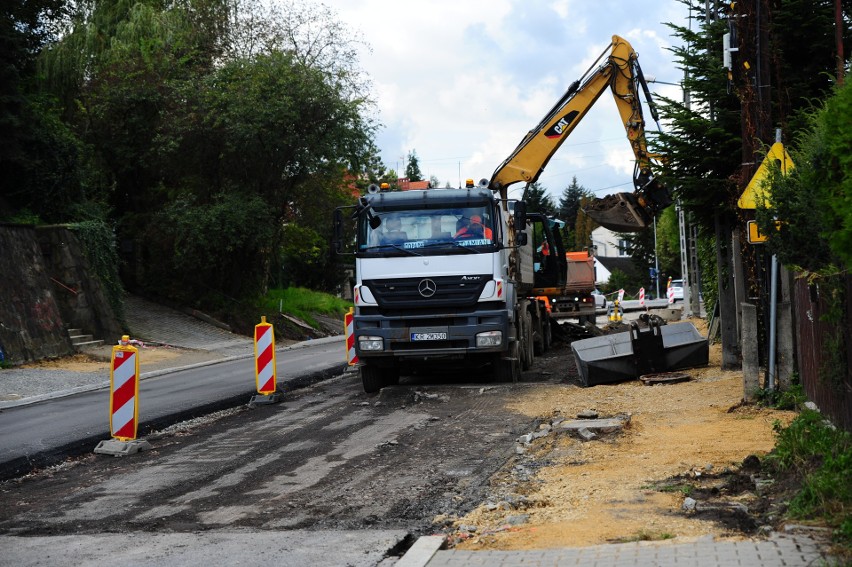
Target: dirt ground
(684, 439)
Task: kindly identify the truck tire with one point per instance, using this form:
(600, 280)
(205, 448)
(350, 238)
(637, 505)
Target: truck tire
(526, 341)
(372, 378)
(508, 371)
(540, 342)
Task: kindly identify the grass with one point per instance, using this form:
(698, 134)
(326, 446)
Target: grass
(303, 303)
(821, 456)
(685, 489)
(792, 398)
(644, 535)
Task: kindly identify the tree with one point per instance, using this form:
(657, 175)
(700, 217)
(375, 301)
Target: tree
(187, 106)
(714, 140)
(537, 199)
(814, 202)
(702, 144)
(569, 203)
(569, 208)
(666, 253)
(41, 160)
(412, 167)
(583, 227)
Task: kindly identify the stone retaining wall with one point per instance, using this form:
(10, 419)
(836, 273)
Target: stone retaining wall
(45, 289)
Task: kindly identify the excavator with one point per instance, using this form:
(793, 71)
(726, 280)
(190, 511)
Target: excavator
(616, 68)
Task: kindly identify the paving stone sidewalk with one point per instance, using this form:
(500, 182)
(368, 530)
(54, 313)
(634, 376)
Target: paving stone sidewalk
(778, 550)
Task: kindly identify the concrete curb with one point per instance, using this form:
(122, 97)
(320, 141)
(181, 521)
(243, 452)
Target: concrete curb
(419, 554)
(155, 373)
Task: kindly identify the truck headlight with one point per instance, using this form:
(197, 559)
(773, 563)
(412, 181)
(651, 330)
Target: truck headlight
(489, 339)
(367, 343)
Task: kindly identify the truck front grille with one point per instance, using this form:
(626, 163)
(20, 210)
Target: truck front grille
(414, 293)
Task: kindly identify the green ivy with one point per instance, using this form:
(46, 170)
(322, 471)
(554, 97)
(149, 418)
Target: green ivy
(830, 283)
(707, 264)
(98, 241)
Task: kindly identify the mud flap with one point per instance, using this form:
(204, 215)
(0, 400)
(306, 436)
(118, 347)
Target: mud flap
(620, 212)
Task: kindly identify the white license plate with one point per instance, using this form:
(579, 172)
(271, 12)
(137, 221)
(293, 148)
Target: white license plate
(428, 336)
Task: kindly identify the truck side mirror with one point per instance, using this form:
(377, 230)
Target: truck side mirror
(520, 212)
(521, 239)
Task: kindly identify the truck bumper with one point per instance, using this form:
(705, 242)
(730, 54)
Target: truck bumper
(572, 306)
(432, 338)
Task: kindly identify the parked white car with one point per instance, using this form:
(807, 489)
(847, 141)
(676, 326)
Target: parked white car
(600, 299)
(677, 285)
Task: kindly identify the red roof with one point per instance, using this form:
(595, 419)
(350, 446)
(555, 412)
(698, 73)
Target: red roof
(406, 185)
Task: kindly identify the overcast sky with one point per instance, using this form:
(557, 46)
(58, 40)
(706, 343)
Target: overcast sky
(460, 82)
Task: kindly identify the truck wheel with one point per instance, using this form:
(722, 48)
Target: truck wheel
(542, 341)
(526, 342)
(508, 371)
(372, 378)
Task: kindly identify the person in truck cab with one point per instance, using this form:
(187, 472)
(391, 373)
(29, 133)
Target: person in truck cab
(474, 229)
(393, 231)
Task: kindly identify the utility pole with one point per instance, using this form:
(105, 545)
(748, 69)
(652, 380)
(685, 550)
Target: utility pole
(838, 38)
(750, 71)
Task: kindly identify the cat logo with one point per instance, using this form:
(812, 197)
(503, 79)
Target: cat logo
(561, 126)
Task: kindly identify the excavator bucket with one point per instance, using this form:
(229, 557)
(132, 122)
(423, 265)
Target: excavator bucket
(620, 212)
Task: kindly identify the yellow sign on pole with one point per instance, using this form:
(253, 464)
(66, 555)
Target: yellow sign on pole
(754, 234)
(757, 188)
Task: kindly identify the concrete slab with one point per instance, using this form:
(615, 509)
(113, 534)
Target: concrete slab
(668, 313)
(421, 552)
(264, 399)
(118, 448)
(664, 378)
(604, 425)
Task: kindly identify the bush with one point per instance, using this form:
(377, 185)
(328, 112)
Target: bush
(200, 253)
(821, 456)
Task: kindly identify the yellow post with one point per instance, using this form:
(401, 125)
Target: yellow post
(614, 311)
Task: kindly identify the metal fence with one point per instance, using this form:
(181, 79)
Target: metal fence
(821, 346)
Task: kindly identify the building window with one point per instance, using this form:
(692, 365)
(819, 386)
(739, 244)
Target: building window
(623, 248)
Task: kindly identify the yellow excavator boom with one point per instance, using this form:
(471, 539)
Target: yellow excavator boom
(620, 72)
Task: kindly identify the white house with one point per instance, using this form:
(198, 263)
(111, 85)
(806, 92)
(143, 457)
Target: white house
(610, 253)
(606, 243)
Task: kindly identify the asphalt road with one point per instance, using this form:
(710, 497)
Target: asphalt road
(46, 432)
(329, 476)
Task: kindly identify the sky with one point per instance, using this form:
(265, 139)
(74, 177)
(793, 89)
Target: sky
(460, 82)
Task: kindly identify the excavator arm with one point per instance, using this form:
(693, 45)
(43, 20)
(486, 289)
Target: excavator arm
(617, 69)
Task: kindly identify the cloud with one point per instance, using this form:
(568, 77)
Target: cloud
(461, 82)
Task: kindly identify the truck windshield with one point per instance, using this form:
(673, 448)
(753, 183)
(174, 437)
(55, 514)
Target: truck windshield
(428, 232)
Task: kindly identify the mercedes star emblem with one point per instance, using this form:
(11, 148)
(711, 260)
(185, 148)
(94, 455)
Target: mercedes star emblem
(427, 288)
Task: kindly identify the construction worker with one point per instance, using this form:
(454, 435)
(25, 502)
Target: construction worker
(474, 229)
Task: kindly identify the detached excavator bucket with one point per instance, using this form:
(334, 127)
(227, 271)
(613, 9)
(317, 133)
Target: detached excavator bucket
(619, 213)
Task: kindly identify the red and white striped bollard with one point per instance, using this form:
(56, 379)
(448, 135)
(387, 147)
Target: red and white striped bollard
(348, 325)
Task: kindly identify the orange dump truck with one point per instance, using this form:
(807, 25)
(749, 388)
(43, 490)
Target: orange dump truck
(574, 299)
